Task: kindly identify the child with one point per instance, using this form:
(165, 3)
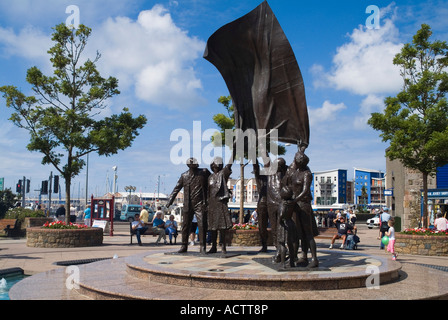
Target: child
(391, 234)
(287, 232)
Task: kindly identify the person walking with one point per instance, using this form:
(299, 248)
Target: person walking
(352, 217)
(86, 216)
(144, 215)
(60, 213)
(384, 219)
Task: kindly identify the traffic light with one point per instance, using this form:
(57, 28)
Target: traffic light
(56, 184)
(44, 188)
(19, 187)
(28, 182)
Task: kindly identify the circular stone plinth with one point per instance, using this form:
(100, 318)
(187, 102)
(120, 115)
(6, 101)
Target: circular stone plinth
(250, 270)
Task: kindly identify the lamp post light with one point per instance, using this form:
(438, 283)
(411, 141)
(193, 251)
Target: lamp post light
(130, 189)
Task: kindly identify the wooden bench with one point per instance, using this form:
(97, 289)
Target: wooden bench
(326, 233)
(10, 227)
(148, 232)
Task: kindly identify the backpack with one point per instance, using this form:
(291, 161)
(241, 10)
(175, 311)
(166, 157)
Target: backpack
(351, 243)
(384, 226)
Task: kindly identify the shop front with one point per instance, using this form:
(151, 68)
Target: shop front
(437, 202)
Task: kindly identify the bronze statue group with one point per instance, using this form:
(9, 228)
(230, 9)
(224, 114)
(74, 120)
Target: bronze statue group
(257, 63)
(284, 203)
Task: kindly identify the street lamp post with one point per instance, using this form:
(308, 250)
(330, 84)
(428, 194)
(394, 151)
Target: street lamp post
(114, 190)
(130, 189)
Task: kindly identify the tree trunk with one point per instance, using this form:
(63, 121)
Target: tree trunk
(67, 200)
(425, 222)
(241, 217)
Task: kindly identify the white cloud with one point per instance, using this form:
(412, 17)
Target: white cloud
(364, 65)
(8, 135)
(372, 103)
(29, 43)
(153, 56)
(327, 113)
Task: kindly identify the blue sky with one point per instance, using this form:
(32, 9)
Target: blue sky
(155, 49)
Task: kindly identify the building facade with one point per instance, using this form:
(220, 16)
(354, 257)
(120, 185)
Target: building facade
(442, 177)
(250, 193)
(350, 192)
(373, 182)
(329, 187)
(403, 196)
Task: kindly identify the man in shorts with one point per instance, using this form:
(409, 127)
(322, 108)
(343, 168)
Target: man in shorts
(343, 227)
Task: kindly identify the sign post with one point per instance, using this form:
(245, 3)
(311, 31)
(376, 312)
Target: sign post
(102, 211)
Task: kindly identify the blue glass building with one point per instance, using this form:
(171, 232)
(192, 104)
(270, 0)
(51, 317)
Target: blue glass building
(373, 181)
(442, 177)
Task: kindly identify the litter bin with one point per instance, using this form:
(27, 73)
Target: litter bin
(397, 225)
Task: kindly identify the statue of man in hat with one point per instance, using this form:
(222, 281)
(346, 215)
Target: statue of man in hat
(194, 182)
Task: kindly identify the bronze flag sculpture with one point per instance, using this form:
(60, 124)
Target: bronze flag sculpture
(261, 72)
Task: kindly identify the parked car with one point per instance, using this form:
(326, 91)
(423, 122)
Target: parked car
(373, 222)
(128, 212)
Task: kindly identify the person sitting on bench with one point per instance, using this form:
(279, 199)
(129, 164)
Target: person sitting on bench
(158, 226)
(139, 227)
(171, 229)
(343, 228)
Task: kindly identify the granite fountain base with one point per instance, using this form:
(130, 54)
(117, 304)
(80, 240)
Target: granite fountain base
(244, 273)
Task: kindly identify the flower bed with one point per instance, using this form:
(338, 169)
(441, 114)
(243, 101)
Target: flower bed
(422, 242)
(244, 226)
(61, 237)
(246, 236)
(63, 225)
(424, 232)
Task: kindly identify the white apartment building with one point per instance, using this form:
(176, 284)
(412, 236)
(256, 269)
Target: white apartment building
(329, 187)
(250, 192)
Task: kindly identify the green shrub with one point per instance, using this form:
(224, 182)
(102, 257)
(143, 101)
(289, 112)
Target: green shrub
(22, 213)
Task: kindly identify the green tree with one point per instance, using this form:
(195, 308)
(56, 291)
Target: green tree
(62, 117)
(364, 196)
(415, 122)
(227, 122)
(7, 201)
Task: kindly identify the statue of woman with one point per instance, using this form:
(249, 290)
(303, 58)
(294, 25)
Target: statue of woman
(218, 197)
(299, 179)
